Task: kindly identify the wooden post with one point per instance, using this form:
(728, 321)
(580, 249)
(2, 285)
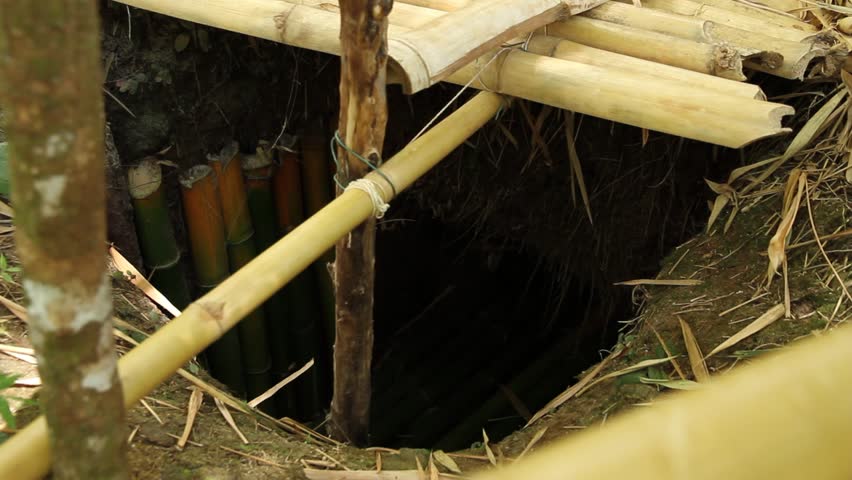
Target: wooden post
(363, 116)
(50, 85)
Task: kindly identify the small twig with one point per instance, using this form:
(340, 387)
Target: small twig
(223, 409)
(253, 457)
(151, 410)
(194, 404)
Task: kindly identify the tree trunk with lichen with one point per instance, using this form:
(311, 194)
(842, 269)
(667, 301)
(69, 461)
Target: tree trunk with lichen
(50, 84)
(363, 116)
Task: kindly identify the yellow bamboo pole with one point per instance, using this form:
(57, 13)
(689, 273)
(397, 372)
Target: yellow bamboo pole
(26, 455)
(786, 417)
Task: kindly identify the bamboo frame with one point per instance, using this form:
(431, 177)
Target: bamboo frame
(27, 454)
(751, 423)
(625, 100)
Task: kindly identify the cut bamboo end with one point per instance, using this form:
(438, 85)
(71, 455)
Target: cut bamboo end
(145, 178)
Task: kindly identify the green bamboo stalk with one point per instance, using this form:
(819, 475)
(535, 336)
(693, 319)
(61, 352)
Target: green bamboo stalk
(156, 236)
(239, 234)
(258, 170)
(301, 298)
(203, 211)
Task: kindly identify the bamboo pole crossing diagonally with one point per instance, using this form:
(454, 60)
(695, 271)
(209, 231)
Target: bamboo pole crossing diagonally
(26, 455)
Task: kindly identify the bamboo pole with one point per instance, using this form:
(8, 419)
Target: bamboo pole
(626, 100)
(794, 56)
(567, 50)
(732, 19)
(257, 170)
(301, 298)
(639, 100)
(203, 212)
(156, 235)
(26, 455)
(239, 234)
(362, 120)
(725, 61)
(50, 89)
(751, 423)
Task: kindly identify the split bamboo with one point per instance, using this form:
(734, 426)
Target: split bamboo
(26, 455)
(257, 170)
(300, 297)
(726, 17)
(750, 423)
(203, 211)
(725, 61)
(625, 100)
(794, 56)
(239, 234)
(156, 236)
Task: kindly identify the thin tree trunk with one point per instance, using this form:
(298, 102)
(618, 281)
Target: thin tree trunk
(363, 116)
(50, 81)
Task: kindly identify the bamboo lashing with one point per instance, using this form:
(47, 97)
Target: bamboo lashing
(751, 423)
(26, 455)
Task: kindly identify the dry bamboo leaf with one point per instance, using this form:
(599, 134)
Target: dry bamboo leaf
(693, 350)
(151, 411)
(574, 163)
(672, 384)
(624, 371)
(317, 474)
(762, 322)
(849, 168)
(141, 282)
(23, 357)
(28, 382)
(777, 249)
(718, 205)
(6, 210)
(226, 414)
(254, 457)
(446, 461)
(278, 386)
(656, 281)
(531, 443)
(433, 470)
(739, 172)
(195, 400)
(488, 448)
(13, 307)
(572, 390)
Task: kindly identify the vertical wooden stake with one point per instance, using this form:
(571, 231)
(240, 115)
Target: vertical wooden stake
(363, 116)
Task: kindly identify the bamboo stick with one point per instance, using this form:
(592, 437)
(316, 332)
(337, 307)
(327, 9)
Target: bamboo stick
(729, 18)
(567, 50)
(794, 56)
(257, 170)
(26, 455)
(751, 423)
(301, 298)
(156, 236)
(206, 230)
(626, 101)
(239, 234)
(722, 60)
(643, 101)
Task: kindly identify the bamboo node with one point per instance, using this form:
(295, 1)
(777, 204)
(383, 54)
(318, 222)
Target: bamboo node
(376, 193)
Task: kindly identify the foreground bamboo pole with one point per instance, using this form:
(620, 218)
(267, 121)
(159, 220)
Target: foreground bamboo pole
(751, 423)
(50, 89)
(645, 103)
(26, 455)
(362, 120)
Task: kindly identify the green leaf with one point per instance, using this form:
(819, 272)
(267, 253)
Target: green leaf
(7, 381)
(6, 413)
(3, 263)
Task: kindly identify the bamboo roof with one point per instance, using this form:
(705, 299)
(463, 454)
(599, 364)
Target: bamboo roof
(674, 66)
